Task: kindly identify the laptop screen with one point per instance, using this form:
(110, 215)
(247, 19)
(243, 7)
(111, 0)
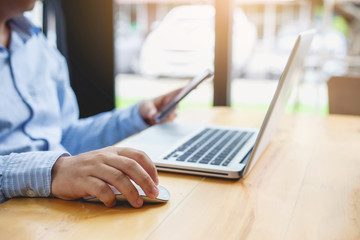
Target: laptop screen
(288, 79)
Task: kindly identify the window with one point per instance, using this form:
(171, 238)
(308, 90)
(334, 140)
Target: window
(159, 46)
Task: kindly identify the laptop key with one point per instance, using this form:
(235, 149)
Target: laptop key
(231, 157)
(186, 145)
(230, 142)
(206, 147)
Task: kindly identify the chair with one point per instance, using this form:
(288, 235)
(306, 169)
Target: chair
(344, 95)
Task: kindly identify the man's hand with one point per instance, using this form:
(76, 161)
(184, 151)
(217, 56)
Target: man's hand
(89, 174)
(149, 108)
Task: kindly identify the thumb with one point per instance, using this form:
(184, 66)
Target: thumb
(152, 112)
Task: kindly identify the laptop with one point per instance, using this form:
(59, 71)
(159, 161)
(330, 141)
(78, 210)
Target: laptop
(220, 151)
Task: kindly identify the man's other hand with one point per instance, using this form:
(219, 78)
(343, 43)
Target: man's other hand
(149, 108)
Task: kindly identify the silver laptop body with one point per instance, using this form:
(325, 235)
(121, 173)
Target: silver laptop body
(230, 152)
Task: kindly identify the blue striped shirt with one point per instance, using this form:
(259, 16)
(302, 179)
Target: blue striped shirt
(39, 116)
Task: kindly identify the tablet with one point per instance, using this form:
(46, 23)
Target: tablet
(166, 109)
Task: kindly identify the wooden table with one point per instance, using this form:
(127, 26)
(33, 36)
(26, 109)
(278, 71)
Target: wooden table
(305, 186)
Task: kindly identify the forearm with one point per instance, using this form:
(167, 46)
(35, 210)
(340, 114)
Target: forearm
(102, 130)
(26, 174)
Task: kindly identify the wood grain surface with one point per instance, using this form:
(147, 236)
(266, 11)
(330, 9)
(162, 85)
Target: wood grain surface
(306, 185)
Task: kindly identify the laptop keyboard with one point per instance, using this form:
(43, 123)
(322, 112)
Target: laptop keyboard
(211, 146)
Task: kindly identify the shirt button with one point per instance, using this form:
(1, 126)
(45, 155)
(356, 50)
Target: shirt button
(30, 193)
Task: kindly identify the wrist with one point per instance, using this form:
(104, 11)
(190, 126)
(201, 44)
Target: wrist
(54, 173)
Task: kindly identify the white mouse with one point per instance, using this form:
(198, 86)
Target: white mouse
(163, 196)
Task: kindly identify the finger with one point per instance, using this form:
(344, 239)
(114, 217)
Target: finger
(129, 167)
(141, 158)
(151, 109)
(159, 101)
(97, 188)
(148, 110)
(128, 161)
(171, 116)
(121, 182)
(152, 113)
(151, 116)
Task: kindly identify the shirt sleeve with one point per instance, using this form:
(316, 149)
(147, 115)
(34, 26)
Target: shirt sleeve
(102, 130)
(26, 174)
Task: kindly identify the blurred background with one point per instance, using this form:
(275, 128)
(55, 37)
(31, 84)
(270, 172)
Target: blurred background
(160, 44)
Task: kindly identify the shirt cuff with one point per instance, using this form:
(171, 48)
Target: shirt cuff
(138, 120)
(129, 121)
(29, 174)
